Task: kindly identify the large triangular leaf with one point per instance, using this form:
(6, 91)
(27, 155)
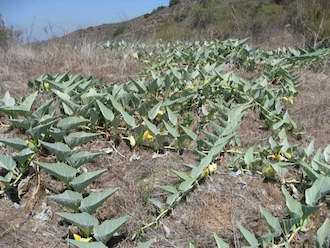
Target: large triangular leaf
(61, 171)
(82, 181)
(81, 244)
(23, 156)
(171, 130)
(106, 112)
(151, 126)
(8, 100)
(79, 138)
(60, 150)
(146, 244)
(40, 130)
(83, 157)
(68, 198)
(293, 205)
(273, 223)
(18, 144)
(42, 110)
(66, 99)
(189, 132)
(127, 117)
(84, 221)
(95, 199)
(220, 242)
(71, 122)
(7, 178)
(323, 235)
(29, 100)
(319, 188)
(7, 162)
(173, 117)
(152, 113)
(249, 237)
(106, 230)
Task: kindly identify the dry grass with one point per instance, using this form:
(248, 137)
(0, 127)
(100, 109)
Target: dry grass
(19, 63)
(215, 206)
(312, 107)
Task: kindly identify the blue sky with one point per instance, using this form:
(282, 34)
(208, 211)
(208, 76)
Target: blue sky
(61, 16)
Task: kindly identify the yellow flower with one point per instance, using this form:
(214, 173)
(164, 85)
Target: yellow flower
(79, 238)
(31, 145)
(160, 113)
(277, 157)
(132, 141)
(288, 155)
(46, 86)
(210, 169)
(147, 136)
(288, 99)
(268, 171)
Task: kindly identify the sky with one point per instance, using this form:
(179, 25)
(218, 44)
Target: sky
(42, 19)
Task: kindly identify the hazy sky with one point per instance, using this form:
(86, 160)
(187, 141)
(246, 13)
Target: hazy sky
(61, 16)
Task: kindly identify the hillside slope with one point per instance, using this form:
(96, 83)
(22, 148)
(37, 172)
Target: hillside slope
(303, 20)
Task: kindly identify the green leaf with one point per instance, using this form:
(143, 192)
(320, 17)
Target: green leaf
(169, 188)
(60, 150)
(61, 171)
(106, 112)
(68, 198)
(83, 180)
(29, 100)
(157, 203)
(171, 130)
(146, 244)
(84, 221)
(249, 157)
(79, 138)
(127, 118)
(17, 144)
(40, 130)
(173, 117)
(171, 199)
(189, 132)
(95, 199)
(151, 126)
(326, 154)
(106, 230)
(66, 99)
(281, 168)
(273, 222)
(181, 175)
(8, 100)
(7, 163)
(310, 149)
(7, 178)
(323, 235)
(220, 242)
(42, 110)
(81, 244)
(249, 237)
(319, 188)
(71, 122)
(293, 205)
(83, 157)
(23, 156)
(152, 113)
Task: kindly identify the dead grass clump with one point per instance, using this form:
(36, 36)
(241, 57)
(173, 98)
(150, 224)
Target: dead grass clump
(312, 106)
(19, 63)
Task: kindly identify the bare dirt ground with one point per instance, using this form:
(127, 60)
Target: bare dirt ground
(214, 206)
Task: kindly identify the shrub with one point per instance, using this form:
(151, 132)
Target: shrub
(7, 35)
(121, 29)
(173, 2)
